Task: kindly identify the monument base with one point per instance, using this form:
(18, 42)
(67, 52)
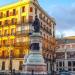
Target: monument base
(34, 65)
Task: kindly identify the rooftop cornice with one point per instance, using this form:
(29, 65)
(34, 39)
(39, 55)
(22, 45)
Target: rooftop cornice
(38, 5)
(18, 3)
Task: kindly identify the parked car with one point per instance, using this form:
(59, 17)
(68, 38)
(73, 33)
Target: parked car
(64, 72)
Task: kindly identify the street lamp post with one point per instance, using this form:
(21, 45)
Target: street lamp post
(11, 64)
(10, 58)
(49, 62)
(65, 54)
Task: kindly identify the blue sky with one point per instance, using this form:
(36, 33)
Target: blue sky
(62, 10)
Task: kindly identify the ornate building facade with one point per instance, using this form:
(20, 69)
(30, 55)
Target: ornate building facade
(15, 21)
(65, 55)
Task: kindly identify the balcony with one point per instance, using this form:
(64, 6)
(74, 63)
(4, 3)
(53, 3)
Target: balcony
(14, 23)
(13, 34)
(18, 33)
(6, 34)
(22, 33)
(18, 44)
(4, 56)
(21, 44)
(5, 44)
(21, 55)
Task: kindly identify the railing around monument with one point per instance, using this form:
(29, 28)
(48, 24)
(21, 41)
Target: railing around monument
(15, 72)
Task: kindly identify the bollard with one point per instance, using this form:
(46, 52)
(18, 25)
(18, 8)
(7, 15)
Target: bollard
(32, 72)
(13, 72)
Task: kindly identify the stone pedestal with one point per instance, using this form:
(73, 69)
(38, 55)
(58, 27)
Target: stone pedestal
(35, 64)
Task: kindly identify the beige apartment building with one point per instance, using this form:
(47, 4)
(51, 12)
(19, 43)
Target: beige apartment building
(15, 22)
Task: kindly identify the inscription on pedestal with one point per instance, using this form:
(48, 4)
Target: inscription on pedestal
(35, 46)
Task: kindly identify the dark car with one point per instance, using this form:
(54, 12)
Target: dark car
(64, 72)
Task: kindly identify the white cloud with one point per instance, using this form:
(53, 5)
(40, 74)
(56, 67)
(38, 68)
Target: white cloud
(69, 33)
(65, 19)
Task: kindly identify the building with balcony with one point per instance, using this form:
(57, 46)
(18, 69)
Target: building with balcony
(65, 54)
(15, 22)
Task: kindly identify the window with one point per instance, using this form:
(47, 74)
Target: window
(1, 14)
(18, 40)
(73, 69)
(23, 28)
(12, 31)
(5, 32)
(19, 28)
(7, 13)
(50, 32)
(60, 64)
(11, 52)
(67, 46)
(21, 53)
(26, 28)
(41, 24)
(40, 15)
(3, 65)
(41, 32)
(22, 32)
(74, 63)
(23, 9)
(69, 63)
(6, 22)
(73, 45)
(0, 22)
(43, 17)
(9, 22)
(60, 69)
(14, 21)
(35, 10)
(57, 64)
(44, 26)
(3, 52)
(31, 9)
(20, 65)
(26, 39)
(30, 18)
(12, 41)
(44, 35)
(47, 28)
(57, 69)
(69, 69)
(14, 11)
(5, 42)
(23, 19)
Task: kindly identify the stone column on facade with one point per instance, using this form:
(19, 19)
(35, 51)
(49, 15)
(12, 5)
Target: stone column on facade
(65, 61)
